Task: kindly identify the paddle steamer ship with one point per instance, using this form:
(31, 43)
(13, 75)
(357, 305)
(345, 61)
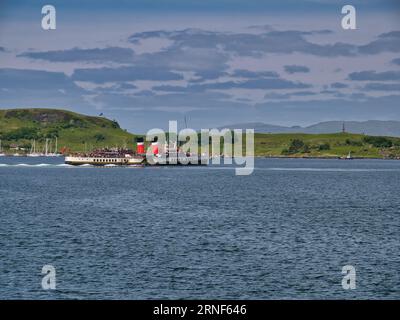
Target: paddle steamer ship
(125, 157)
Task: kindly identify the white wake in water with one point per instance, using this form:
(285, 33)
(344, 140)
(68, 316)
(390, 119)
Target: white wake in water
(38, 165)
(50, 165)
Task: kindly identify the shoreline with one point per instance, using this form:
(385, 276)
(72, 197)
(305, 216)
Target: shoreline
(257, 156)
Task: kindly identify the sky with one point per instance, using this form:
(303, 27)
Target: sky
(217, 63)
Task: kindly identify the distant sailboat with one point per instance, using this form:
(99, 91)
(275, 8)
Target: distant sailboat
(55, 153)
(1, 151)
(33, 152)
(46, 152)
(348, 157)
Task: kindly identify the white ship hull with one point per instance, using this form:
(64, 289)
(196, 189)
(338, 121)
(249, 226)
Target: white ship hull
(179, 160)
(99, 161)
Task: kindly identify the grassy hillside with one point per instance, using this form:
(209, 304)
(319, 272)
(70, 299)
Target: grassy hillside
(326, 145)
(74, 131)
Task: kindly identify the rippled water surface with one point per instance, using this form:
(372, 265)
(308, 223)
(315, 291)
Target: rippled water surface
(286, 231)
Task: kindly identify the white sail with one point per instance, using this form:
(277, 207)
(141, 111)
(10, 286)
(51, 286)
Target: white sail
(46, 152)
(49, 148)
(33, 152)
(1, 151)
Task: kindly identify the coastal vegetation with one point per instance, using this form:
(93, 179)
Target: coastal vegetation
(326, 145)
(76, 133)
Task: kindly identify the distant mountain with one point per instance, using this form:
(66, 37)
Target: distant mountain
(260, 127)
(371, 127)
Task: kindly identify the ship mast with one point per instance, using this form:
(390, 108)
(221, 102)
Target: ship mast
(32, 146)
(47, 147)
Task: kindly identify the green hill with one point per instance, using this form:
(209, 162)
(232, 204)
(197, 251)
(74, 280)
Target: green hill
(18, 127)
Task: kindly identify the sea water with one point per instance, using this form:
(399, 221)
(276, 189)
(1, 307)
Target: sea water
(284, 232)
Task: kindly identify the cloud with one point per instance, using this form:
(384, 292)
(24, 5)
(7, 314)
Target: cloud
(202, 51)
(396, 61)
(127, 86)
(271, 41)
(324, 32)
(224, 71)
(296, 69)
(335, 92)
(145, 93)
(338, 85)
(98, 55)
(238, 73)
(265, 27)
(208, 75)
(121, 74)
(262, 83)
(25, 79)
(205, 63)
(120, 87)
(258, 84)
(193, 100)
(242, 73)
(280, 96)
(170, 88)
(375, 76)
(183, 58)
(37, 88)
(2, 49)
(386, 42)
(375, 86)
(248, 44)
